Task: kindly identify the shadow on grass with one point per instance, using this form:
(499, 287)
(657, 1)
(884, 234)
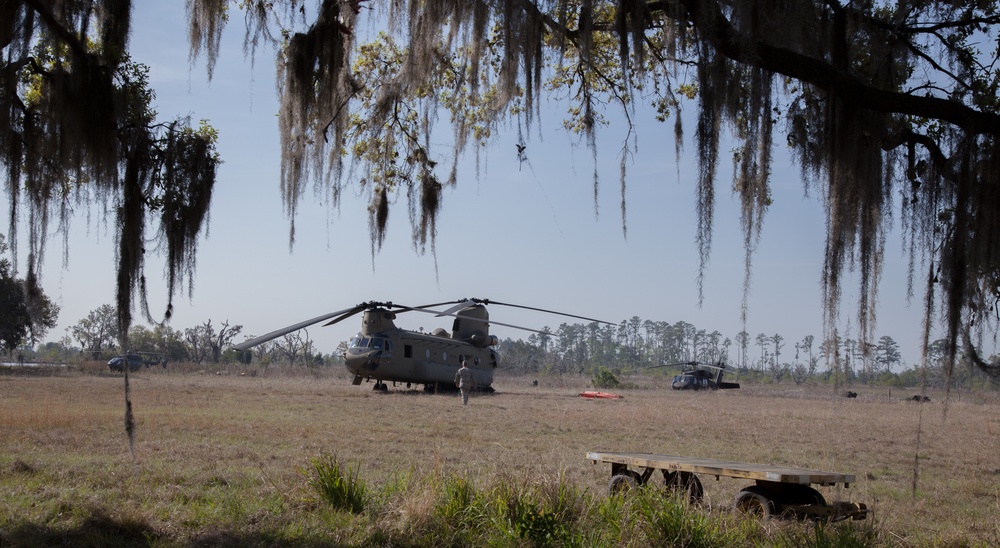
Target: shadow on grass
(104, 530)
(33, 370)
(97, 530)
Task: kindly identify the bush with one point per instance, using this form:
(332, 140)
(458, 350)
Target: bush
(531, 523)
(524, 518)
(338, 485)
(458, 505)
(604, 378)
(669, 521)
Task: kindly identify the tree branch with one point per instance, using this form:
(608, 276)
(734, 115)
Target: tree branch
(715, 28)
(71, 40)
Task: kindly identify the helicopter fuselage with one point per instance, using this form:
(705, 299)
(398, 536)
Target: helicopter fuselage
(385, 353)
(406, 356)
(700, 379)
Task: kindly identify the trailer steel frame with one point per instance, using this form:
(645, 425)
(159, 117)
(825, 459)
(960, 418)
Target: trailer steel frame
(777, 490)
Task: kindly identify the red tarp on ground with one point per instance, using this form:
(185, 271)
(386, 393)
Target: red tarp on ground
(600, 395)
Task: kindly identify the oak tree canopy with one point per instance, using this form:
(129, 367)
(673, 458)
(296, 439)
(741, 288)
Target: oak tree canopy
(889, 108)
(26, 313)
(77, 129)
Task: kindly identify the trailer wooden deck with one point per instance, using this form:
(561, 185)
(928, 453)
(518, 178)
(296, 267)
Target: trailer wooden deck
(778, 490)
(722, 468)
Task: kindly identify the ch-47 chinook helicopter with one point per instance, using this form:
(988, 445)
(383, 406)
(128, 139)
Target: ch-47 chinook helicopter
(385, 353)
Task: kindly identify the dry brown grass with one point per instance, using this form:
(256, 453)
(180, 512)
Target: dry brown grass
(63, 435)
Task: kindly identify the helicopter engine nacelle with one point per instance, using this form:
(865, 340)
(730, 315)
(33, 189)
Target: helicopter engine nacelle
(483, 340)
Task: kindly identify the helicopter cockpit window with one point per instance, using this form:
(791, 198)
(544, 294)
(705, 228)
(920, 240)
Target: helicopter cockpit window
(376, 343)
(368, 342)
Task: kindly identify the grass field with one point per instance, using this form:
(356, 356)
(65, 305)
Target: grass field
(227, 459)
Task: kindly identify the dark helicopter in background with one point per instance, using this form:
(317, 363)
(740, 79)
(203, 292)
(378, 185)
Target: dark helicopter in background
(385, 353)
(702, 378)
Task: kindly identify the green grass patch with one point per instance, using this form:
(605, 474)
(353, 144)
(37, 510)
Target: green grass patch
(229, 460)
(338, 484)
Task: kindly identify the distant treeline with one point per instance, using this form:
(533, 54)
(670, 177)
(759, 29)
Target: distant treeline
(94, 338)
(630, 346)
(636, 344)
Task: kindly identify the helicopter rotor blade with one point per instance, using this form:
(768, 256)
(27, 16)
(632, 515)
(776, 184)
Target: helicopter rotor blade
(435, 304)
(524, 328)
(462, 304)
(347, 313)
(634, 369)
(691, 363)
(454, 312)
(487, 301)
(713, 366)
(702, 365)
(469, 302)
(295, 327)
(423, 309)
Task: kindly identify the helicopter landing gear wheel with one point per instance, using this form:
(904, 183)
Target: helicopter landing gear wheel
(753, 501)
(623, 482)
(380, 387)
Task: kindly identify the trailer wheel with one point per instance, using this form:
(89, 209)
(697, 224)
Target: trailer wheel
(753, 501)
(623, 483)
(681, 483)
(801, 495)
(793, 500)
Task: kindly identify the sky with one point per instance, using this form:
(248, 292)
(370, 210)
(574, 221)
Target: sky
(523, 233)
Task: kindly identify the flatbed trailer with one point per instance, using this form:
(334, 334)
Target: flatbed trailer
(777, 490)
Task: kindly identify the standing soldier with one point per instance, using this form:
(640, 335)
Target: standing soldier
(465, 381)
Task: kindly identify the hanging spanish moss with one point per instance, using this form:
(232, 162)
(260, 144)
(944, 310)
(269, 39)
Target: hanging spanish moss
(842, 81)
(186, 196)
(378, 215)
(430, 204)
(390, 133)
(78, 130)
(314, 84)
(880, 141)
(206, 20)
(854, 201)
